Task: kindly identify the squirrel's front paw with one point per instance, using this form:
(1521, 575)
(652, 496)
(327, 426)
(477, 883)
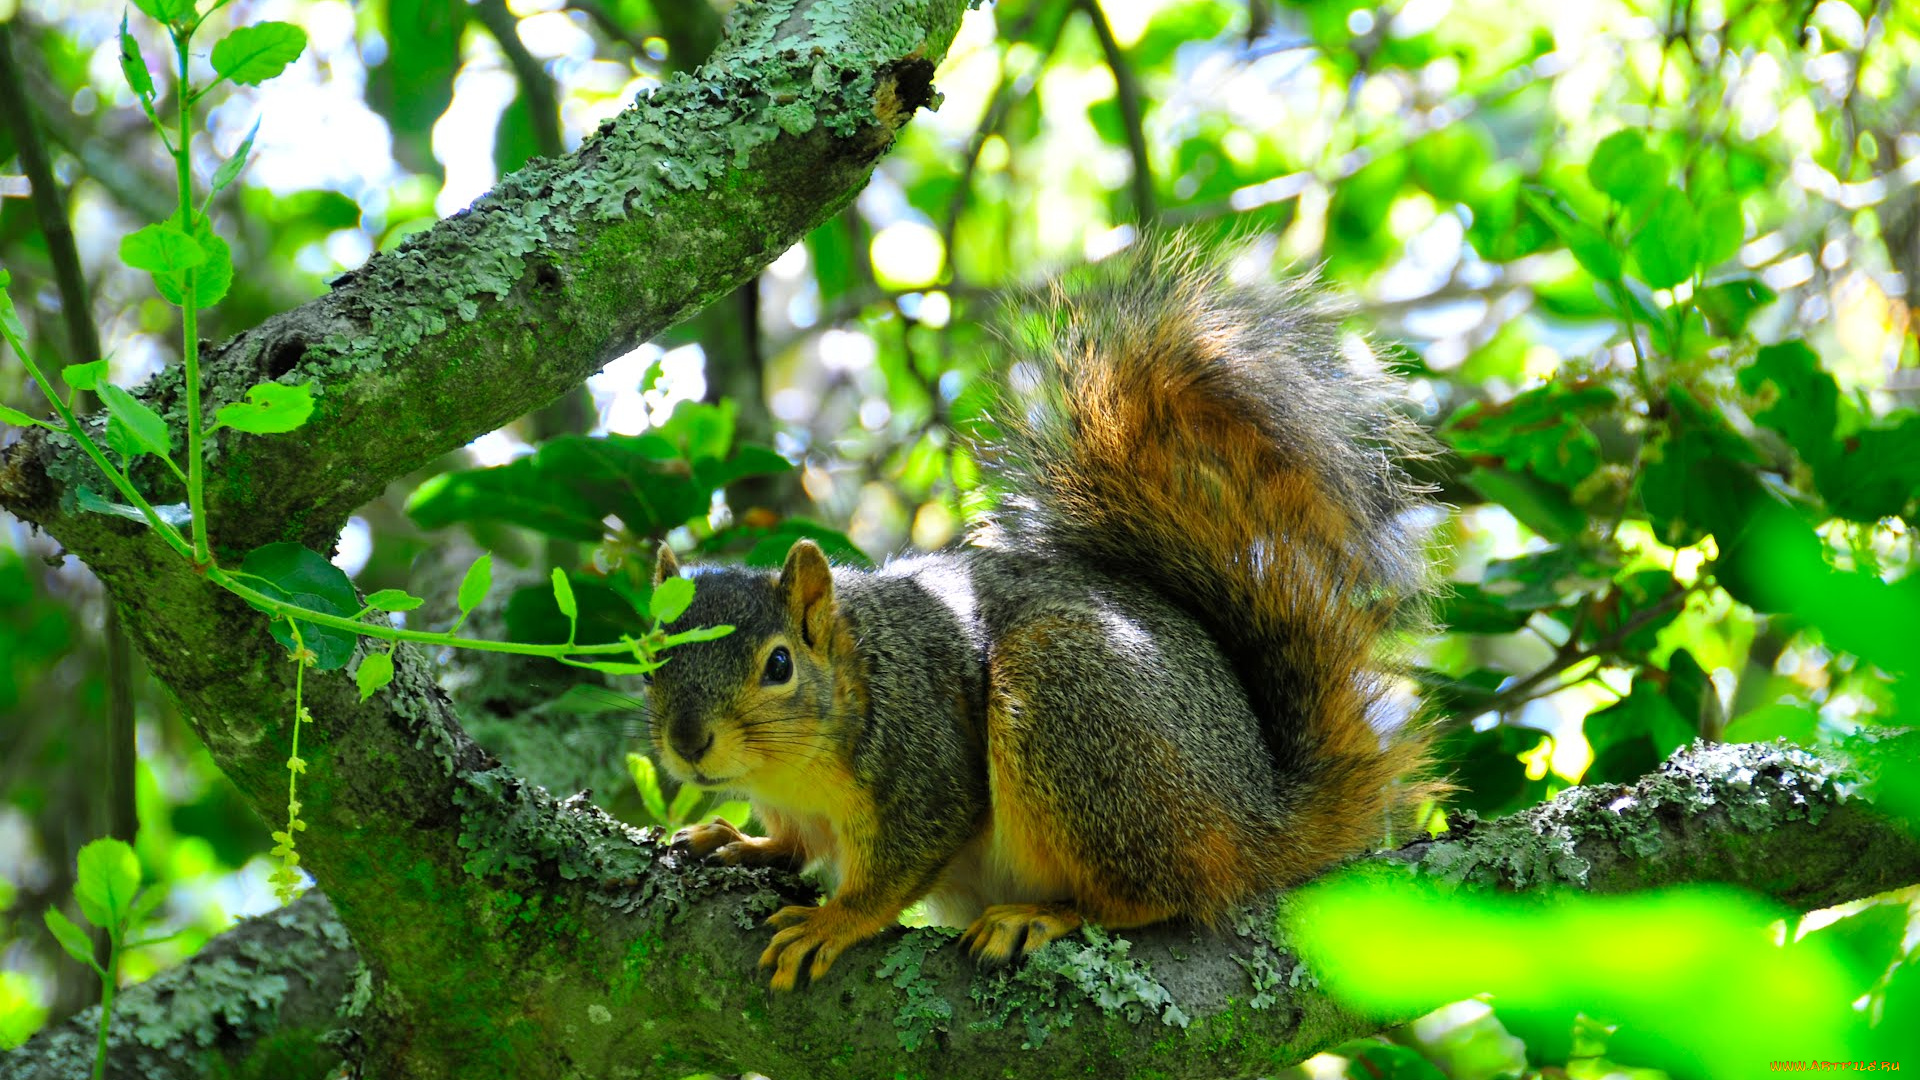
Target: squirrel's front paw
(719, 841)
(813, 938)
(702, 841)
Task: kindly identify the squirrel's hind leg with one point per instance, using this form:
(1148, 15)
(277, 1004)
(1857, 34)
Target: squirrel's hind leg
(1115, 753)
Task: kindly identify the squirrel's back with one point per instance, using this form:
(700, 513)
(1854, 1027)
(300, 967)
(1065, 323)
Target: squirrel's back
(1155, 686)
(1211, 438)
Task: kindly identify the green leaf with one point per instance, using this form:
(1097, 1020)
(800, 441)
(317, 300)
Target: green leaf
(698, 633)
(1796, 398)
(1540, 579)
(1593, 250)
(670, 599)
(1729, 305)
(166, 11)
(1486, 765)
(1385, 1061)
(253, 54)
(1468, 609)
(1667, 247)
(1624, 169)
(144, 904)
(1632, 736)
(474, 586)
(84, 376)
(771, 550)
(229, 170)
(683, 804)
(20, 419)
(393, 600)
(178, 515)
(412, 87)
(568, 488)
(10, 323)
(141, 427)
(210, 280)
(1873, 473)
(109, 875)
(748, 461)
(1539, 506)
(133, 65)
(271, 408)
(298, 575)
(1793, 722)
(1722, 229)
(374, 673)
(1697, 475)
(563, 595)
(71, 938)
(162, 248)
(647, 780)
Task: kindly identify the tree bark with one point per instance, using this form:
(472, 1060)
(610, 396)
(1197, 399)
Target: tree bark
(441, 861)
(667, 976)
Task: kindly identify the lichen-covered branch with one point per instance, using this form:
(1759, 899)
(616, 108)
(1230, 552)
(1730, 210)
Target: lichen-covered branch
(455, 878)
(664, 982)
(263, 1000)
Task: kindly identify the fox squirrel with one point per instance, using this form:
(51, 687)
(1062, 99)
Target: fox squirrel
(1149, 687)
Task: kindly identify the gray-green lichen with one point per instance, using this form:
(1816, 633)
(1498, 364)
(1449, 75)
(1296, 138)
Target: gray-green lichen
(214, 1013)
(1044, 989)
(1756, 786)
(687, 136)
(924, 1011)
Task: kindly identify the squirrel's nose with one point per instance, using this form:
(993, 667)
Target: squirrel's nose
(693, 745)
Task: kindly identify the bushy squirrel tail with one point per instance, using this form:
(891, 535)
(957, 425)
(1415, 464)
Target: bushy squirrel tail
(1169, 424)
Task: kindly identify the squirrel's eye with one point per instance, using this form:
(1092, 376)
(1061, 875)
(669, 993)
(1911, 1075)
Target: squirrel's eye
(779, 667)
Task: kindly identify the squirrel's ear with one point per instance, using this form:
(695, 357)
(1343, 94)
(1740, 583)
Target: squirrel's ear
(664, 565)
(807, 583)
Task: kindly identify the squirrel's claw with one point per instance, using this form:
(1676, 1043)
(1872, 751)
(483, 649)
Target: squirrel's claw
(812, 938)
(703, 841)
(718, 841)
(1005, 932)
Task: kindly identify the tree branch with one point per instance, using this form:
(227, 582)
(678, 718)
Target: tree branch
(453, 874)
(1772, 818)
(259, 1000)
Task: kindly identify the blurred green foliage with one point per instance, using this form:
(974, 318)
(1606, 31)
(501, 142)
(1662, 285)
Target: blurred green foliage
(1649, 265)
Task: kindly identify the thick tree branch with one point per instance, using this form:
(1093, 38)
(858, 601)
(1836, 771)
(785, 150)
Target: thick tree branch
(1170, 1001)
(459, 881)
(257, 1001)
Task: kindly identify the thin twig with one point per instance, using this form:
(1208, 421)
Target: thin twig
(1571, 655)
(1127, 93)
(536, 86)
(610, 26)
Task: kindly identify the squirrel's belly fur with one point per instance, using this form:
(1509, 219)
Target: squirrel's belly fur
(1154, 685)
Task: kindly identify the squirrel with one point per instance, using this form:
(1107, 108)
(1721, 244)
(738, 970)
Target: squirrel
(1152, 684)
